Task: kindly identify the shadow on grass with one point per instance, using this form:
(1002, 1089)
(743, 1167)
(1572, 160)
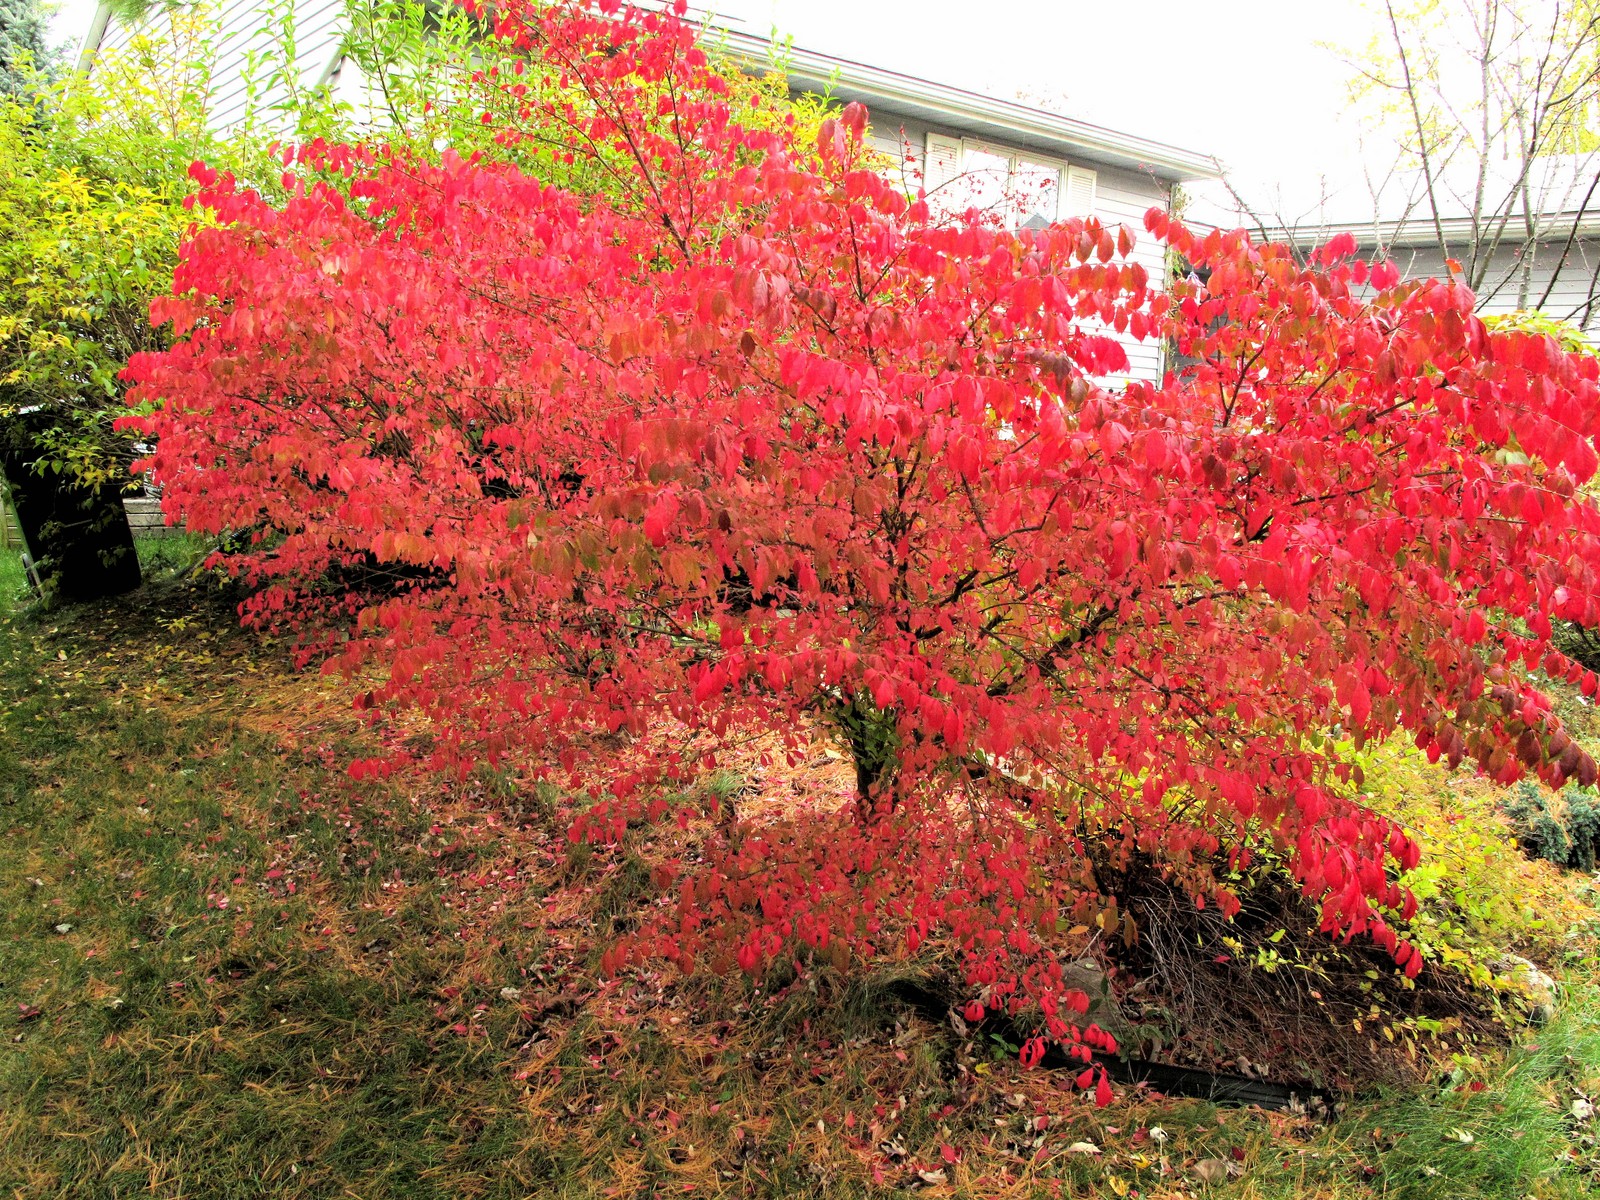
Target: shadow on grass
(228, 971)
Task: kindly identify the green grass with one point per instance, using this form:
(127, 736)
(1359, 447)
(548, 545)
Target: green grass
(159, 558)
(198, 1032)
(228, 971)
(173, 554)
(13, 582)
(1515, 1137)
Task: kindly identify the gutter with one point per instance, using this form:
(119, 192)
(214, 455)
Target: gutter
(890, 93)
(1418, 232)
(91, 40)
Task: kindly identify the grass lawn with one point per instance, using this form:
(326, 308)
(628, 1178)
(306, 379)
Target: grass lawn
(227, 970)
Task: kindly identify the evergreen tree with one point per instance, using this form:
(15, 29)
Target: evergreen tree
(23, 49)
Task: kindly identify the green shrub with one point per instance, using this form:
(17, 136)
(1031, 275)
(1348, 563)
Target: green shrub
(1566, 833)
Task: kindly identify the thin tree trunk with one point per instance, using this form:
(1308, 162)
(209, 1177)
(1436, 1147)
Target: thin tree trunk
(1572, 237)
(1421, 128)
(77, 536)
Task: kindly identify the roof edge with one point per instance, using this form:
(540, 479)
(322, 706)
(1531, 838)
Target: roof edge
(1412, 232)
(824, 73)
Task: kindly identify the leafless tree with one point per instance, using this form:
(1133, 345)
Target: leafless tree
(1482, 151)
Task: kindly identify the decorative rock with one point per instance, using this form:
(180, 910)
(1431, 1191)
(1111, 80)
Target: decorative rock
(1089, 977)
(1538, 987)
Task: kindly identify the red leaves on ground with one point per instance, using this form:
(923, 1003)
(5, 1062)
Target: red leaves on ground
(750, 444)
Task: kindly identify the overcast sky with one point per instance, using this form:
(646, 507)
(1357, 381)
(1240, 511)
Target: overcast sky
(1248, 81)
(70, 22)
(1245, 80)
(1242, 79)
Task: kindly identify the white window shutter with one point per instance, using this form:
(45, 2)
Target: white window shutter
(942, 162)
(1077, 196)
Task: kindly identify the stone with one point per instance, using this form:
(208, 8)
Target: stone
(1537, 986)
(1089, 977)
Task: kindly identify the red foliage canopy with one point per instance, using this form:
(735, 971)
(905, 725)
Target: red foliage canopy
(752, 442)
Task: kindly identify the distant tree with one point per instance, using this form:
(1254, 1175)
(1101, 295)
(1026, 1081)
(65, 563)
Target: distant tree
(1482, 150)
(1495, 107)
(24, 53)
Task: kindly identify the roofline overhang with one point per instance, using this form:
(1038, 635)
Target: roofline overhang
(890, 93)
(1416, 232)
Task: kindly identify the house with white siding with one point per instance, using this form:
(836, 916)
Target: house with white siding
(1523, 240)
(246, 47)
(1033, 164)
(1037, 165)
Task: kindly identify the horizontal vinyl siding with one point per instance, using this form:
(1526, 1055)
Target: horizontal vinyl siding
(897, 137)
(365, 103)
(1570, 293)
(1122, 198)
(1574, 285)
(116, 36)
(247, 48)
(1501, 285)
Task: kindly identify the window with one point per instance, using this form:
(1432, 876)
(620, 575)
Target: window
(1018, 188)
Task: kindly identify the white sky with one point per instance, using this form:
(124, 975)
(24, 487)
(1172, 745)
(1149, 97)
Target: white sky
(1247, 81)
(70, 22)
(1244, 80)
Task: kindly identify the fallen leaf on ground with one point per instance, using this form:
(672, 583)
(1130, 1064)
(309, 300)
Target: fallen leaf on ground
(1211, 1170)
